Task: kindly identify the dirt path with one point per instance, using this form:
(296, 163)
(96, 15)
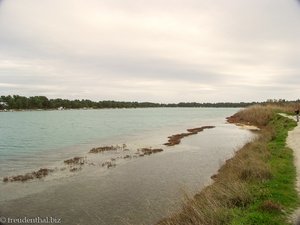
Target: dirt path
(293, 142)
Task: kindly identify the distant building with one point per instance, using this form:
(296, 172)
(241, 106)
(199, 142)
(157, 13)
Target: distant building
(3, 104)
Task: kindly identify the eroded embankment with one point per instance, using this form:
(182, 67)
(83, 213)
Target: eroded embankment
(256, 186)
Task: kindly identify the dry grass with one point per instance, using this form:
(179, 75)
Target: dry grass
(271, 206)
(212, 206)
(249, 163)
(260, 115)
(287, 107)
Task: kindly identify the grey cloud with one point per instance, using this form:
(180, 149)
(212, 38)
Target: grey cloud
(23, 78)
(136, 66)
(157, 49)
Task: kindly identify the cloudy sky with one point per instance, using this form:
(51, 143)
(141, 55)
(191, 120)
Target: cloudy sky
(159, 51)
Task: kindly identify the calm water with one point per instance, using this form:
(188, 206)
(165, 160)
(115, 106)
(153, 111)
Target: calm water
(138, 190)
(31, 139)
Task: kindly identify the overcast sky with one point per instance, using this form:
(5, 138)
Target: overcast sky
(159, 51)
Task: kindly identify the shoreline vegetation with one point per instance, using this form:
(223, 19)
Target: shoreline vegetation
(257, 185)
(19, 103)
(77, 163)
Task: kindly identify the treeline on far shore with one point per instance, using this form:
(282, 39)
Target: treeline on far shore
(17, 102)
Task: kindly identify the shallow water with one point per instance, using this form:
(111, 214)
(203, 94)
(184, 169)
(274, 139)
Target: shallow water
(138, 190)
(33, 139)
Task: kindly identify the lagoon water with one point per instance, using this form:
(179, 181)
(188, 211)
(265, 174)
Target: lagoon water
(139, 190)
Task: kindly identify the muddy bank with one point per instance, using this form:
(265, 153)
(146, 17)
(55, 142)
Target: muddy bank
(29, 176)
(176, 138)
(107, 148)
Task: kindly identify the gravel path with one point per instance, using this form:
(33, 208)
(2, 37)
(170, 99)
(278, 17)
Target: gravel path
(293, 142)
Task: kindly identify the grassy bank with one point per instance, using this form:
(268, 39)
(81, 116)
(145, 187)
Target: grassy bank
(256, 186)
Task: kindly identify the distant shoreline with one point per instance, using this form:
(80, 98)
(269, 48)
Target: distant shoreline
(71, 109)
(16, 102)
